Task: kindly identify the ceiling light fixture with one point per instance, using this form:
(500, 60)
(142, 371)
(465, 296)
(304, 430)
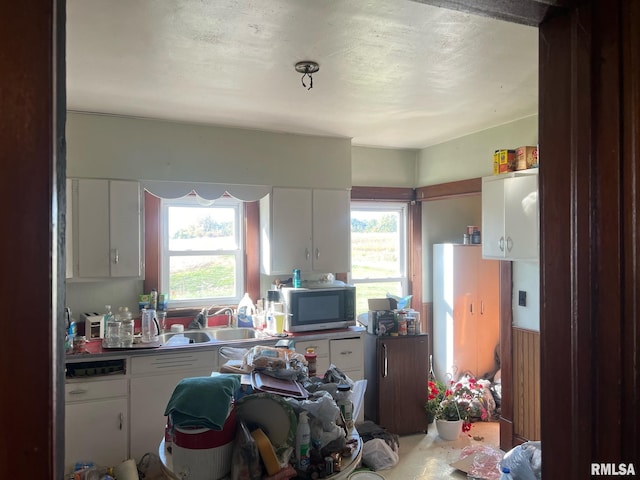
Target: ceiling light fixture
(307, 68)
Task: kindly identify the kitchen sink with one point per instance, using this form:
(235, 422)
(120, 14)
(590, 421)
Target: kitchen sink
(186, 337)
(233, 334)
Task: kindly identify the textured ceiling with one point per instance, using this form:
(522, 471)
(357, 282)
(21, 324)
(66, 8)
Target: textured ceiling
(392, 73)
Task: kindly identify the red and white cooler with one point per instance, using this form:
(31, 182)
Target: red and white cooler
(204, 454)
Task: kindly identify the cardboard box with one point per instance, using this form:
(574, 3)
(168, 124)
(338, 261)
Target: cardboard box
(496, 162)
(382, 316)
(526, 157)
(506, 160)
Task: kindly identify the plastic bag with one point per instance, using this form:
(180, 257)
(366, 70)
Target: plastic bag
(377, 454)
(485, 461)
(524, 461)
(245, 457)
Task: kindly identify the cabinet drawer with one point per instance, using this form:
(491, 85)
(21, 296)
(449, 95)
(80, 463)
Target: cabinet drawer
(91, 390)
(184, 360)
(347, 354)
(320, 347)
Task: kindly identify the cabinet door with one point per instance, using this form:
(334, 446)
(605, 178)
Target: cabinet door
(96, 431)
(93, 228)
(488, 331)
(493, 218)
(321, 349)
(108, 230)
(403, 374)
(149, 398)
(331, 231)
(348, 355)
(124, 204)
(521, 218)
(285, 220)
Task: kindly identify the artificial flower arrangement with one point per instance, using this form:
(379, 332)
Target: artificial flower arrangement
(462, 400)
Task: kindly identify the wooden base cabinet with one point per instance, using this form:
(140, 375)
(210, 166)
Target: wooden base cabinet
(397, 370)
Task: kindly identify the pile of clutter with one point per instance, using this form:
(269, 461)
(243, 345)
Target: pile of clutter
(271, 419)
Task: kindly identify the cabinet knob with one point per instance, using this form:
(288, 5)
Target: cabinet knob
(116, 256)
(317, 253)
(501, 244)
(509, 244)
(306, 253)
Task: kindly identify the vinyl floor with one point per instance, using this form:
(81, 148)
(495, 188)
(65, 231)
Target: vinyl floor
(428, 457)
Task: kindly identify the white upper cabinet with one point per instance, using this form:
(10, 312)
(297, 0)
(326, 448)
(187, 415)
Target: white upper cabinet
(107, 228)
(510, 219)
(306, 229)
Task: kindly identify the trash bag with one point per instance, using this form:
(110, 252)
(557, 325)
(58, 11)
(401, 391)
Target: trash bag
(378, 455)
(524, 461)
(245, 457)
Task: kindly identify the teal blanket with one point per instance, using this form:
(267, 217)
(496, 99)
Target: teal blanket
(202, 401)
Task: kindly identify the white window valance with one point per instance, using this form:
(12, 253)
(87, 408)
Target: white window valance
(208, 191)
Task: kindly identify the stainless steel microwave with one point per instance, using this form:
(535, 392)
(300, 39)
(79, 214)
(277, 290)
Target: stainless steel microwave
(323, 308)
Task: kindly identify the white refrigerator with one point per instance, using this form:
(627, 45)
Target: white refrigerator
(466, 312)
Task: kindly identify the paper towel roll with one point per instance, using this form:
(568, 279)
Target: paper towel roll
(127, 470)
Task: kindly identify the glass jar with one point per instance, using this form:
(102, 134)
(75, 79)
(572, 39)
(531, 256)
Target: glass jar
(343, 399)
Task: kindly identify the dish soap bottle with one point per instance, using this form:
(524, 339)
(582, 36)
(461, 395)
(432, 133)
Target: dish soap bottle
(246, 310)
(303, 442)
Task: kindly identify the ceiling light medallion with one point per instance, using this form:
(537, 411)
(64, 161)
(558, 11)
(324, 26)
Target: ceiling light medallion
(307, 68)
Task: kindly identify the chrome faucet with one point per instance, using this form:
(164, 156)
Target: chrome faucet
(202, 318)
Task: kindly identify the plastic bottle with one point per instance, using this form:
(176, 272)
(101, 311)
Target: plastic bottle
(246, 311)
(343, 399)
(296, 278)
(153, 299)
(112, 328)
(126, 328)
(303, 442)
(275, 313)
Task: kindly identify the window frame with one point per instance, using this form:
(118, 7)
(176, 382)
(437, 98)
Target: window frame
(192, 201)
(152, 239)
(403, 229)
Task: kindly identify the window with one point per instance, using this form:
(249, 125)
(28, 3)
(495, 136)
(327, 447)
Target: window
(378, 251)
(202, 251)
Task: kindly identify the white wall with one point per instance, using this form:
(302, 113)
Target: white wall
(102, 146)
(383, 167)
(444, 221)
(526, 277)
(471, 156)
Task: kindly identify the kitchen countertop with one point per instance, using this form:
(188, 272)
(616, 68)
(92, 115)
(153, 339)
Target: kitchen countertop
(95, 351)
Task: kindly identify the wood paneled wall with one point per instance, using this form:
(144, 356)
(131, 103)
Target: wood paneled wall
(526, 385)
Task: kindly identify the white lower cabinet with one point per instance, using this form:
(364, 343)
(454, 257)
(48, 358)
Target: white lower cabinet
(321, 349)
(345, 353)
(152, 382)
(348, 355)
(96, 422)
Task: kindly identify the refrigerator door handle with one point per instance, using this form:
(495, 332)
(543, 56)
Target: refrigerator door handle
(384, 360)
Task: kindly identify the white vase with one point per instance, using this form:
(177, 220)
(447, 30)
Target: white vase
(449, 429)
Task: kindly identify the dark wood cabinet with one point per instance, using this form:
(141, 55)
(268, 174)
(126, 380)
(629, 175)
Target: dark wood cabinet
(397, 369)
